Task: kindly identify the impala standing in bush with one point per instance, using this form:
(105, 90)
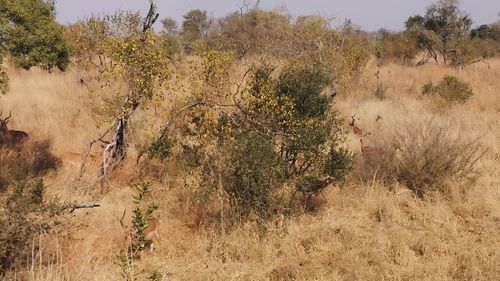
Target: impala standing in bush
(10, 138)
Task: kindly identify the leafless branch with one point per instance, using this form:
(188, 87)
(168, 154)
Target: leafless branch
(90, 206)
(481, 60)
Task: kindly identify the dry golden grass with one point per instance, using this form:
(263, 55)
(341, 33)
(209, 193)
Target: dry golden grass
(365, 231)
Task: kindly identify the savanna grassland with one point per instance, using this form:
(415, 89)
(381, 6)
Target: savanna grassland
(413, 194)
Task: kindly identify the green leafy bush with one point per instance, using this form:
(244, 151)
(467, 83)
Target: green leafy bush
(451, 88)
(141, 216)
(31, 35)
(279, 149)
(24, 216)
(256, 173)
(427, 89)
(137, 240)
(160, 148)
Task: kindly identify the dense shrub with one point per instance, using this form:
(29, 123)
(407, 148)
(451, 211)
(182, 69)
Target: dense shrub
(254, 32)
(30, 34)
(257, 172)
(309, 40)
(451, 88)
(24, 213)
(172, 45)
(471, 50)
(427, 88)
(424, 157)
(491, 32)
(280, 147)
(398, 47)
(87, 37)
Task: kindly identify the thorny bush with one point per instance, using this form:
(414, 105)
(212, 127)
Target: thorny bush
(425, 157)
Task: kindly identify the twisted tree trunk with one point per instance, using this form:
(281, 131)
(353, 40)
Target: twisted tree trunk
(115, 150)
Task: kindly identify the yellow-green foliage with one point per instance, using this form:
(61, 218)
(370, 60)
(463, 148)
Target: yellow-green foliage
(254, 32)
(271, 147)
(137, 68)
(344, 52)
(311, 40)
(353, 57)
(216, 67)
(395, 47)
(88, 37)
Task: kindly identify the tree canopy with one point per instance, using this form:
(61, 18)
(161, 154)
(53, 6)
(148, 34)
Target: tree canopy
(30, 36)
(442, 27)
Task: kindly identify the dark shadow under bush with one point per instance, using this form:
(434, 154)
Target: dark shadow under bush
(24, 213)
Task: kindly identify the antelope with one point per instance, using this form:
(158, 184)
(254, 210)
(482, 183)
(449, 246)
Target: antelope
(73, 160)
(149, 231)
(355, 129)
(365, 147)
(76, 158)
(368, 150)
(10, 138)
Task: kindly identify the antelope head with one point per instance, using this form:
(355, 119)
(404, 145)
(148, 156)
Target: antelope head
(353, 120)
(3, 122)
(355, 128)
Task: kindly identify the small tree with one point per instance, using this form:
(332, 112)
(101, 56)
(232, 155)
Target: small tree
(444, 20)
(169, 25)
(132, 78)
(88, 37)
(137, 241)
(252, 32)
(397, 47)
(195, 26)
(31, 37)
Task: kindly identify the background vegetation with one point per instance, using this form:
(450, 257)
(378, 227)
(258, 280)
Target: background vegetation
(237, 128)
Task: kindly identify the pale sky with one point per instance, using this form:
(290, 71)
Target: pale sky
(371, 15)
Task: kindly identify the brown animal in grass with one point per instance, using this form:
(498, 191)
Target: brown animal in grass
(10, 138)
(149, 231)
(355, 128)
